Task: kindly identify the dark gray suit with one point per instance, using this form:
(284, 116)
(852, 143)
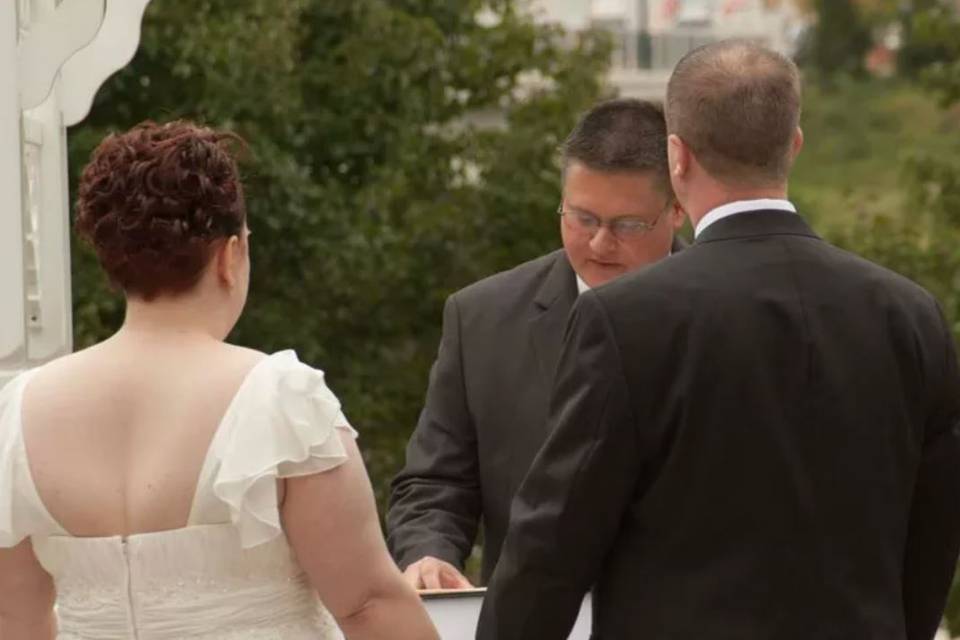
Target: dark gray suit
(485, 413)
(774, 453)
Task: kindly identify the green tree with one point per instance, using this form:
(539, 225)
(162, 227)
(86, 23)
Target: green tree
(839, 41)
(932, 178)
(930, 37)
(372, 192)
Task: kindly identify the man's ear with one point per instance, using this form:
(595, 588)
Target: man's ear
(797, 143)
(678, 156)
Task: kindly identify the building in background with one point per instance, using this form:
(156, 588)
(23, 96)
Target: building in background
(650, 36)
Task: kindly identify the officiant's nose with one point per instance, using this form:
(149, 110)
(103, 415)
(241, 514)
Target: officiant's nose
(603, 241)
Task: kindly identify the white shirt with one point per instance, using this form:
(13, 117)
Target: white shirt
(742, 206)
(582, 286)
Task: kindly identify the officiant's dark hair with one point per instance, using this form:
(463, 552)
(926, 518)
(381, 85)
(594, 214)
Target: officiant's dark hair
(621, 135)
(736, 104)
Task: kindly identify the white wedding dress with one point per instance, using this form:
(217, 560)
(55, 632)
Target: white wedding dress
(229, 573)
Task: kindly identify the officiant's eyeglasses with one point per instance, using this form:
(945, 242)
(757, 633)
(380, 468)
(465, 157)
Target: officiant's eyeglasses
(622, 228)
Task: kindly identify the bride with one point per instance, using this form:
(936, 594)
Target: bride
(165, 484)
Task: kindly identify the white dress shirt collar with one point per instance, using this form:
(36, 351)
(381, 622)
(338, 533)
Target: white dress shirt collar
(742, 206)
(582, 286)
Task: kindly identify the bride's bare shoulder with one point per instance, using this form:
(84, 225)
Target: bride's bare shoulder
(68, 364)
(243, 356)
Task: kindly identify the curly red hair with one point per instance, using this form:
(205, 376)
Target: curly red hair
(153, 201)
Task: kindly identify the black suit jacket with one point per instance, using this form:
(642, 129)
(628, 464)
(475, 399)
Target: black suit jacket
(485, 414)
(484, 418)
(754, 439)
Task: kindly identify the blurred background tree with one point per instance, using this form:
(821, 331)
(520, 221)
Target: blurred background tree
(373, 189)
(929, 36)
(838, 41)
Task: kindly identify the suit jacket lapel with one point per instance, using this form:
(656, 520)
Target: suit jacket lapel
(550, 308)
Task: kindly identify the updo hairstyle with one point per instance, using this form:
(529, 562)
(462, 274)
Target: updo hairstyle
(154, 201)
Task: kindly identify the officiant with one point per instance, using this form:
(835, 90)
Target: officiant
(485, 412)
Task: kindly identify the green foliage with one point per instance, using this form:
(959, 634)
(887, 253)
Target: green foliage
(839, 42)
(931, 42)
(372, 193)
(859, 134)
(878, 176)
(931, 176)
(914, 249)
(936, 34)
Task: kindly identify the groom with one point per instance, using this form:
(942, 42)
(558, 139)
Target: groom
(774, 453)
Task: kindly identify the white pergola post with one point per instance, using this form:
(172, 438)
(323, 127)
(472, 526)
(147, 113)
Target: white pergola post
(12, 317)
(54, 56)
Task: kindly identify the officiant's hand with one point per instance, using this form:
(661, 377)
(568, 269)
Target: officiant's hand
(431, 573)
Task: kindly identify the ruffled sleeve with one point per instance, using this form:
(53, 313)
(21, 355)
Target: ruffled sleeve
(282, 423)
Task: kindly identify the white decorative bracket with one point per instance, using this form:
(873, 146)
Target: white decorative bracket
(48, 45)
(115, 45)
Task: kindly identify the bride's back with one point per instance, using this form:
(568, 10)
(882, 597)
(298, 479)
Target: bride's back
(116, 435)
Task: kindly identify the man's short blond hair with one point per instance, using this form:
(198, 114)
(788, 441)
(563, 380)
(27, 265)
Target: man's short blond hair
(736, 104)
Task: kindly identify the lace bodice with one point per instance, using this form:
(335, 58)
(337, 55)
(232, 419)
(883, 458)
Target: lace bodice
(229, 574)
